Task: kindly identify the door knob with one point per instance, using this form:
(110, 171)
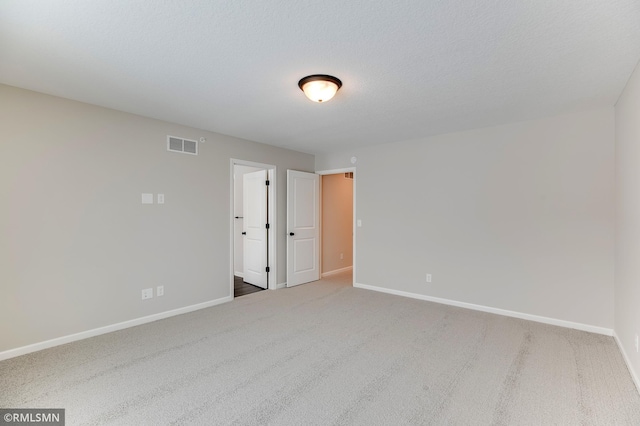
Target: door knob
(244, 233)
(292, 234)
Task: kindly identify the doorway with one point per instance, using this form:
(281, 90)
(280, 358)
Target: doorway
(338, 222)
(253, 242)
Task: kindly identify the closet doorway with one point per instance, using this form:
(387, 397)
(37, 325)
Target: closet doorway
(338, 217)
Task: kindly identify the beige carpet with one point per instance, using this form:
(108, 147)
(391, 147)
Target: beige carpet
(328, 354)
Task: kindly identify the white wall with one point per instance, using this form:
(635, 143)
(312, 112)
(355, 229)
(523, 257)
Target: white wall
(76, 244)
(337, 222)
(517, 217)
(238, 224)
(627, 283)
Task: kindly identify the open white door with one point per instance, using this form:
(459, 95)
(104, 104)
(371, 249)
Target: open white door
(303, 227)
(254, 197)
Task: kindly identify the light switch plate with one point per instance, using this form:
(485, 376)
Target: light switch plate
(160, 198)
(147, 293)
(147, 198)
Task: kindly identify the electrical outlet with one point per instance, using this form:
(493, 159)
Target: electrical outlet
(636, 343)
(160, 198)
(428, 278)
(341, 256)
(160, 290)
(147, 293)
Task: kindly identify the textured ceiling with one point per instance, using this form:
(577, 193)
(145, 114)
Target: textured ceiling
(409, 68)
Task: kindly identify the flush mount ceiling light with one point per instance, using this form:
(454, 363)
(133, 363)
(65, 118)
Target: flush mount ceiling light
(319, 87)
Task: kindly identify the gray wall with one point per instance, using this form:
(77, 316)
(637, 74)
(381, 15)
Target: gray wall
(517, 217)
(76, 244)
(627, 285)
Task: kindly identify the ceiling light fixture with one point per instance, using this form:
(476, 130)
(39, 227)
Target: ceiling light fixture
(319, 87)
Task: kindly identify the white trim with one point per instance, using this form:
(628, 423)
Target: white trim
(498, 311)
(281, 285)
(353, 226)
(239, 274)
(336, 171)
(337, 271)
(273, 227)
(11, 353)
(634, 376)
(355, 176)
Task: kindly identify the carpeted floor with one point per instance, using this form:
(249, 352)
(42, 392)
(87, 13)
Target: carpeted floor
(328, 354)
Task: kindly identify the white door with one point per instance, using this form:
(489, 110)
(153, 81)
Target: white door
(254, 210)
(303, 227)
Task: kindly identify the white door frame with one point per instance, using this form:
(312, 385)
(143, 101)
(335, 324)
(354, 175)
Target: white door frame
(335, 172)
(271, 172)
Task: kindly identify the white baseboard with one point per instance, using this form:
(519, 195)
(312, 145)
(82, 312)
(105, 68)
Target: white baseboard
(337, 271)
(239, 274)
(281, 285)
(11, 353)
(536, 318)
(634, 376)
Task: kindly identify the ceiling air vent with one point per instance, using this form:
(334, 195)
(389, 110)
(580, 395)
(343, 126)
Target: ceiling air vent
(185, 146)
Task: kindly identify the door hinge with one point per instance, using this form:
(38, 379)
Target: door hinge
(268, 270)
(267, 183)
(267, 226)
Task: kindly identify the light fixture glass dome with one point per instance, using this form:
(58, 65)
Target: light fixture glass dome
(319, 87)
